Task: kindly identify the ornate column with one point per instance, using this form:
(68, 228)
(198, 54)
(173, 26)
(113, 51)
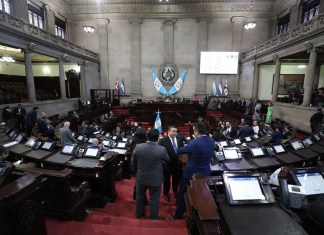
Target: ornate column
(83, 93)
(62, 79)
(309, 78)
(49, 19)
(202, 46)
(20, 9)
(275, 85)
(136, 57)
(169, 40)
(103, 48)
(317, 76)
(255, 80)
(29, 77)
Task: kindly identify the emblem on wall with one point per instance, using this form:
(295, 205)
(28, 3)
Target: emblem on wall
(166, 83)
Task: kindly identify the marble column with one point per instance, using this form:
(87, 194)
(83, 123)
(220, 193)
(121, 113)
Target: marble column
(136, 57)
(83, 93)
(62, 79)
(49, 19)
(309, 78)
(275, 85)
(202, 46)
(103, 48)
(255, 88)
(30, 77)
(20, 9)
(168, 25)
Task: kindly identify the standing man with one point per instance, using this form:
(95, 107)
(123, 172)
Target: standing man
(200, 152)
(173, 168)
(147, 164)
(31, 120)
(19, 114)
(316, 120)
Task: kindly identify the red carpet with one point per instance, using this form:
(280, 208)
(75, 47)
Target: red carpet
(119, 218)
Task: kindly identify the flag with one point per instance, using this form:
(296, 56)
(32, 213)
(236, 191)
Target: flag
(220, 88)
(178, 84)
(117, 86)
(157, 84)
(226, 88)
(158, 124)
(214, 88)
(122, 88)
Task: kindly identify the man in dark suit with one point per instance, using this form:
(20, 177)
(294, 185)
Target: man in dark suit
(19, 114)
(147, 164)
(230, 133)
(200, 152)
(316, 120)
(245, 131)
(173, 168)
(87, 130)
(31, 120)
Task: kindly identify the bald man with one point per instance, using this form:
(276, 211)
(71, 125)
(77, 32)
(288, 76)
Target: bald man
(66, 134)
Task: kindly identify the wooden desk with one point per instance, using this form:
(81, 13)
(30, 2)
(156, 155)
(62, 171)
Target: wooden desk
(20, 207)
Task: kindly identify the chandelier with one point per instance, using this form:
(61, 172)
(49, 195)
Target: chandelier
(88, 28)
(6, 58)
(251, 23)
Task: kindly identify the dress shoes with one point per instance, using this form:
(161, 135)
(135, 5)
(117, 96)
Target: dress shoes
(167, 197)
(140, 216)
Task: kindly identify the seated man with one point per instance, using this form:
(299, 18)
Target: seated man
(277, 135)
(86, 130)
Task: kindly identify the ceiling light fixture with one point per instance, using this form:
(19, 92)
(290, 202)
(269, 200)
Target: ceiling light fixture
(88, 28)
(250, 24)
(6, 58)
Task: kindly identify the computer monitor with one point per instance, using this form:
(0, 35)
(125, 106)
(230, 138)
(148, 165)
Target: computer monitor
(90, 140)
(309, 141)
(311, 179)
(47, 145)
(12, 133)
(31, 142)
(246, 188)
(256, 152)
(114, 137)
(92, 152)
(278, 148)
(106, 142)
(80, 138)
(121, 144)
(296, 145)
(237, 141)
(223, 143)
(256, 136)
(317, 137)
(230, 154)
(125, 139)
(19, 138)
(248, 139)
(68, 149)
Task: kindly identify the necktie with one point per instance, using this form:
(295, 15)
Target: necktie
(174, 145)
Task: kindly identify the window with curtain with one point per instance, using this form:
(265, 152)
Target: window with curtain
(310, 9)
(283, 24)
(36, 15)
(60, 28)
(5, 5)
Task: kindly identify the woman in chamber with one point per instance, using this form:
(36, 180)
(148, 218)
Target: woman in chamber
(269, 113)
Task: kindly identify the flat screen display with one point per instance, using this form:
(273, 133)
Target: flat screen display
(125, 139)
(223, 143)
(31, 142)
(296, 145)
(230, 154)
(121, 145)
(256, 136)
(80, 138)
(47, 145)
(279, 148)
(90, 140)
(106, 142)
(114, 137)
(248, 139)
(317, 137)
(11, 134)
(18, 138)
(68, 148)
(237, 141)
(313, 183)
(245, 188)
(92, 152)
(308, 141)
(257, 152)
(218, 62)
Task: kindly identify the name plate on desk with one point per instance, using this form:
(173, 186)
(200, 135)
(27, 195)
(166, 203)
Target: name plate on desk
(119, 151)
(84, 162)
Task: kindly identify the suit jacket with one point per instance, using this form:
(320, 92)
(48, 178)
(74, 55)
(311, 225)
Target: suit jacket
(31, 119)
(245, 132)
(166, 142)
(66, 136)
(147, 163)
(18, 115)
(200, 152)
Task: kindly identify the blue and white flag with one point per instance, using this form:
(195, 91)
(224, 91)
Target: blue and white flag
(178, 84)
(122, 88)
(158, 123)
(226, 88)
(157, 84)
(214, 88)
(220, 88)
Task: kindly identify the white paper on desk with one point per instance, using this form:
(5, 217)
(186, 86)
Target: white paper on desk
(274, 177)
(119, 151)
